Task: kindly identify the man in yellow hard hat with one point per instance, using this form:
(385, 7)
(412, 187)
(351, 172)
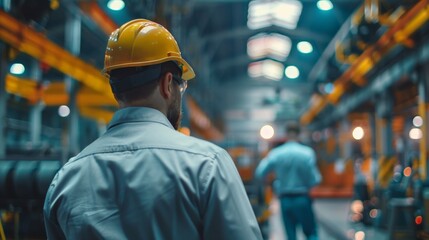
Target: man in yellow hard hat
(142, 179)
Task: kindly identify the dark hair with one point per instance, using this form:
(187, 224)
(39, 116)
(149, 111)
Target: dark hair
(145, 89)
(293, 127)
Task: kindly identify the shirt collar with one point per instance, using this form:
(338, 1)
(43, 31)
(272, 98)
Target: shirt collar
(138, 114)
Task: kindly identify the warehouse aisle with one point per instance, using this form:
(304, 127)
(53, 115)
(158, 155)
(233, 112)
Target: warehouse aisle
(332, 220)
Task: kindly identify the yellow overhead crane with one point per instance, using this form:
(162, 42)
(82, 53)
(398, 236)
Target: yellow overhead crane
(399, 33)
(55, 94)
(90, 102)
(95, 92)
(35, 44)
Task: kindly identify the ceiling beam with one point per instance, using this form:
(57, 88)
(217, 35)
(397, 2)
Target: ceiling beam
(244, 60)
(247, 83)
(300, 33)
(330, 49)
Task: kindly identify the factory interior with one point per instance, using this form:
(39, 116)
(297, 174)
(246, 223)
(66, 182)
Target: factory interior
(353, 73)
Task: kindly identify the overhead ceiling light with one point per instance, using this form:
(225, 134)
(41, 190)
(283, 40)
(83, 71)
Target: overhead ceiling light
(276, 46)
(292, 72)
(324, 5)
(268, 68)
(259, 14)
(293, 10)
(17, 68)
(116, 5)
(305, 47)
(264, 13)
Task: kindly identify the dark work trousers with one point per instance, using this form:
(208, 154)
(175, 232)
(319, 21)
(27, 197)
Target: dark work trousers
(297, 210)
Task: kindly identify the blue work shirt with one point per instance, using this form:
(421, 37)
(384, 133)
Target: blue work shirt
(295, 167)
(144, 180)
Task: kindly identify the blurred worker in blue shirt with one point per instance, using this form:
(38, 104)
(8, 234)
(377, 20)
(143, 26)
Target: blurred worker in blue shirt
(142, 179)
(294, 165)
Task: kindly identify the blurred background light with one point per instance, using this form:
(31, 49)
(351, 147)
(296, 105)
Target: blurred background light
(415, 133)
(328, 88)
(358, 133)
(63, 111)
(292, 72)
(268, 68)
(17, 68)
(274, 45)
(267, 132)
(305, 47)
(262, 13)
(360, 235)
(407, 171)
(417, 121)
(116, 5)
(324, 5)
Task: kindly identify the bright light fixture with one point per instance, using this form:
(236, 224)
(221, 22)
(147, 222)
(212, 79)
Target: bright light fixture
(264, 13)
(305, 47)
(292, 8)
(268, 68)
(417, 121)
(324, 5)
(267, 132)
(262, 45)
(358, 133)
(292, 72)
(415, 133)
(17, 68)
(360, 235)
(328, 88)
(116, 5)
(63, 111)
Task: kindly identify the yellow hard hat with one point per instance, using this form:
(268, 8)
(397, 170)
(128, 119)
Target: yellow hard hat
(143, 43)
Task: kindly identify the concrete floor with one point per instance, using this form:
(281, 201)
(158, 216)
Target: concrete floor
(332, 217)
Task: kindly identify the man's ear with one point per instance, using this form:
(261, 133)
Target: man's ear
(166, 85)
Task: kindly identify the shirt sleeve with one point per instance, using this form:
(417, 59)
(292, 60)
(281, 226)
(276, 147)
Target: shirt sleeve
(264, 167)
(227, 213)
(315, 174)
(53, 230)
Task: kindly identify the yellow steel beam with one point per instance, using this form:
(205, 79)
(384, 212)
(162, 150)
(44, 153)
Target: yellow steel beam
(410, 22)
(423, 108)
(27, 40)
(98, 114)
(99, 16)
(54, 93)
(25, 88)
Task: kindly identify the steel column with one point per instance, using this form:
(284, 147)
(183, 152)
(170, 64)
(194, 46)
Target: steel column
(384, 110)
(384, 141)
(374, 155)
(36, 110)
(72, 43)
(346, 146)
(3, 105)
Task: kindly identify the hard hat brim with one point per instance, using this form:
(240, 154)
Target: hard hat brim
(188, 72)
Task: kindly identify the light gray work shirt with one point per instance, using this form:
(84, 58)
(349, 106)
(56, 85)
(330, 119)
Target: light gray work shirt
(295, 167)
(144, 180)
